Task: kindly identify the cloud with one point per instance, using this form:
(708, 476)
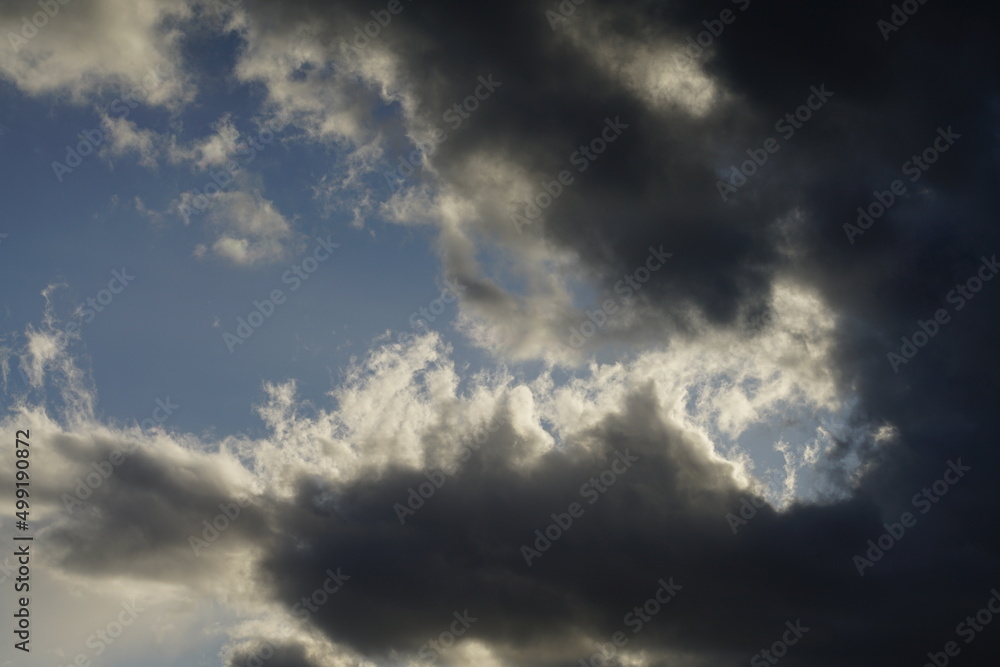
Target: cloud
(657, 183)
(653, 66)
(310, 80)
(215, 150)
(125, 137)
(765, 324)
(320, 492)
(248, 229)
(87, 48)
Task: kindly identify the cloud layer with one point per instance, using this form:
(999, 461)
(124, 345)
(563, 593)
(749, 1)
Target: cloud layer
(609, 144)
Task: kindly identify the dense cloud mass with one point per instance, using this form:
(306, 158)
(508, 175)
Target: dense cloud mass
(568, 156)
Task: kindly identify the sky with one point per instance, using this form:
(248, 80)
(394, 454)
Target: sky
(520, 334)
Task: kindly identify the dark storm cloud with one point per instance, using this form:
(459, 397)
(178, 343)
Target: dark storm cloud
(658, 184)
(273, 656)
(155, 514)
(666, 516)
(663, 518)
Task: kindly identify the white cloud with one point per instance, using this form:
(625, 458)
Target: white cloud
(404, 405)
(125, 137)
(306, 84)
(89, 48)
(329, 91)
(215, 150)
(248, 229)
(656, 70)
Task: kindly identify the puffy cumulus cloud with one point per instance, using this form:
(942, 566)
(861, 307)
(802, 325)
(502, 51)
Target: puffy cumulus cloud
(279, 656)
(249, 230)
(401, 416)
(106, 509)
(658, 182)
(539, 121)
(125, 137)
(220, 148)
(526, 324)
(215, 150)
(313, 79)
(319, 569)
(86, 48)
(321, 88)
(734, 260)
(245, 228)
(391, 412)
(764, 314)
(344, 188)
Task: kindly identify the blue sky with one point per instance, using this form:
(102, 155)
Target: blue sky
(179, 304)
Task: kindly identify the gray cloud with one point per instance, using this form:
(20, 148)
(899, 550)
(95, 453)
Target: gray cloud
(326, 500)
